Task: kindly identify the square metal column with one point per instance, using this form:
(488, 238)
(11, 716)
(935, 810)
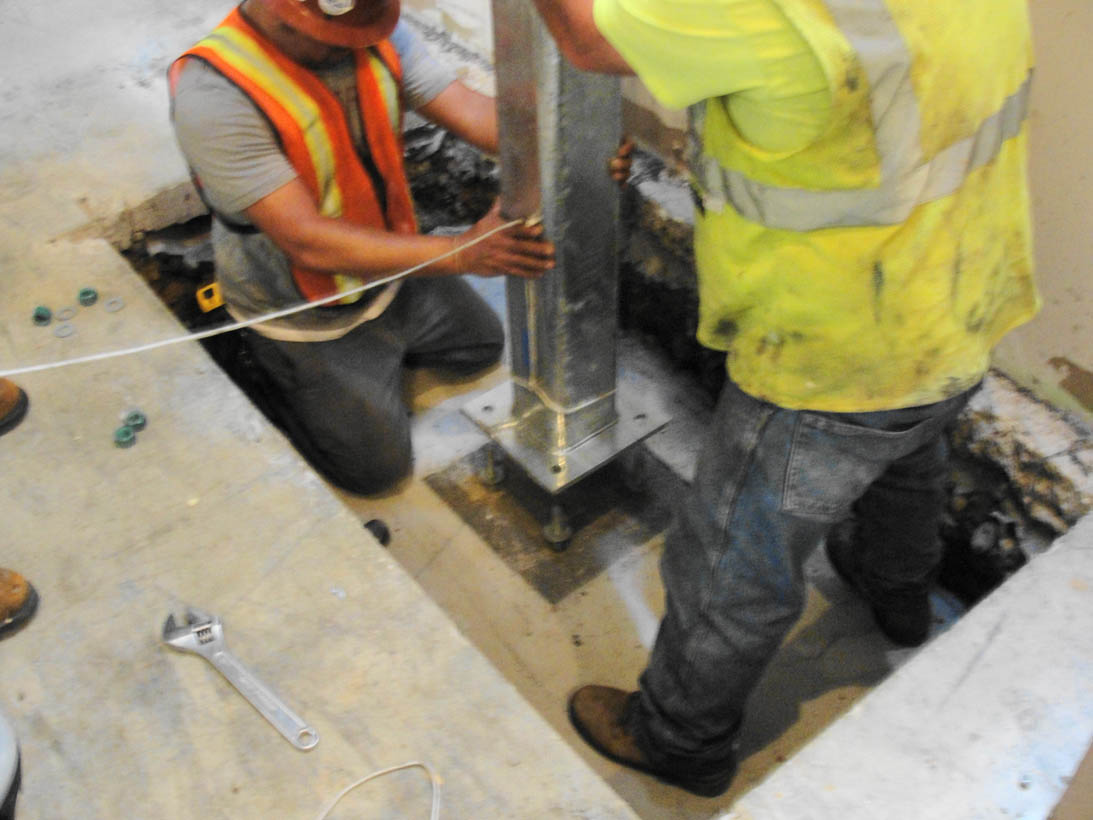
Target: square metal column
(561, 415)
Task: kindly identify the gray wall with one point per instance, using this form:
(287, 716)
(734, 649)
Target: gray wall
(1053, 355)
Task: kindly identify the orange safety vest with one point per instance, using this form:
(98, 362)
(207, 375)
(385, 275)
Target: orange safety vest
(315, 135)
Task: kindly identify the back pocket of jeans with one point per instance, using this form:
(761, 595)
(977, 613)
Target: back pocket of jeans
(832, 463)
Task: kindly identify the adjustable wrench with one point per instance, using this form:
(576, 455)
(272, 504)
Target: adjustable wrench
(203, 635)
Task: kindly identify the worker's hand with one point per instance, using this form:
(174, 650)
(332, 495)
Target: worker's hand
(516, 251)
(619, 167)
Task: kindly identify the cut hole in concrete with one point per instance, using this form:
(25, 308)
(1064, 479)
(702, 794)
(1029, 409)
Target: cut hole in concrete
(606, 519)
(996, 517)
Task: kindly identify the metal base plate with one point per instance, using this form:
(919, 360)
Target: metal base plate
(638, 417)
(610, 518)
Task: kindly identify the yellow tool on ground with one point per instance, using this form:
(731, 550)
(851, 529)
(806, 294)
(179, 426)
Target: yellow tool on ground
(209, 298)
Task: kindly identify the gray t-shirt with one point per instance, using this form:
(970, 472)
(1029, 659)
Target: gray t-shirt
(230, 145)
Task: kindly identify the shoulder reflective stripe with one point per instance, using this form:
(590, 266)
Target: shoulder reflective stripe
(946, 172)
(239, 50)
(266, 73)
(906, 181)
(387, 87)
(876, 39)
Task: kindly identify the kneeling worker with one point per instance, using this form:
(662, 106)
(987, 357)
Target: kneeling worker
(289, 115)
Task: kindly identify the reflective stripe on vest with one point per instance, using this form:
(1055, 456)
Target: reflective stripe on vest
(906, 180)
(244, 55)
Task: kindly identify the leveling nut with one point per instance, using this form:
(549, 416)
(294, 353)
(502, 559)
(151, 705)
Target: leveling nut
(136, 419)
(125, 436)
(42, 315)
(88, 296)
(380, 530)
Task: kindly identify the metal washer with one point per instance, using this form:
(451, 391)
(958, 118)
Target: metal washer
(136, 420)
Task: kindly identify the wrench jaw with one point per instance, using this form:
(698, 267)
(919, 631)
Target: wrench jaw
(202, 634)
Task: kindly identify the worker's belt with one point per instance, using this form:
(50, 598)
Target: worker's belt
(236, 227)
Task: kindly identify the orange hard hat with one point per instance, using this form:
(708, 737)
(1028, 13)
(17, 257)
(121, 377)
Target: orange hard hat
(345, 23)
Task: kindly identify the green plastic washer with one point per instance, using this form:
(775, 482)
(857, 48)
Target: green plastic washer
(125, 436)
(42, 315)
(136, 419)
(88, 296)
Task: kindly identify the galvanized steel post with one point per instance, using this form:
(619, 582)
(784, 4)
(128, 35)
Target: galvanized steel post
(560, 416)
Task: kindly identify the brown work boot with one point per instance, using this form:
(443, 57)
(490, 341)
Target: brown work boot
(18, 600)
(13, 405)
(605, 718)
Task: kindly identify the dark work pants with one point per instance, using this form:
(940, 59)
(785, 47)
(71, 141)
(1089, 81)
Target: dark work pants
(341, 401)
(770, 484)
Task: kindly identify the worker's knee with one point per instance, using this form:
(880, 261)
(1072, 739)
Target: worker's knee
(469, 360)
(371, 463)
(376, 479)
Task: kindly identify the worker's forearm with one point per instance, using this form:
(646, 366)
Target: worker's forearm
(469, 115)
(336, 246)
(573, 28)
(484, 136)
(490, 248)
(288, 216)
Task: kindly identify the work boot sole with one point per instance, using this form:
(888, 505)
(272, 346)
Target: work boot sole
(712, 787)
(20, 617)
(15, 415)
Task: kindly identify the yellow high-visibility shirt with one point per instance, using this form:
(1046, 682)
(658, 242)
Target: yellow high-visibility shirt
(746, 50)
(865, 239)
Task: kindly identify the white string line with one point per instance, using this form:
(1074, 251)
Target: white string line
(204, 334)
(434, 814)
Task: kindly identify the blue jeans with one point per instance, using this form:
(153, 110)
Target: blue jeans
(770, 484)
(341, 401)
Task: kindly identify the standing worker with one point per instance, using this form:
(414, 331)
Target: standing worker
(862, 240)
(289, 115)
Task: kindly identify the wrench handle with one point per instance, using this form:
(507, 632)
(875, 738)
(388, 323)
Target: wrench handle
(293, 727)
